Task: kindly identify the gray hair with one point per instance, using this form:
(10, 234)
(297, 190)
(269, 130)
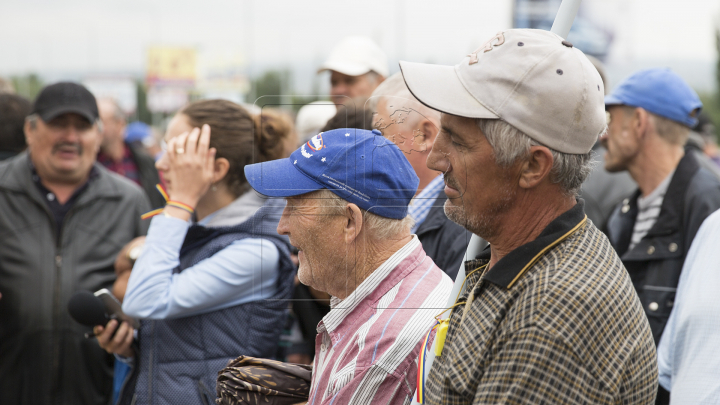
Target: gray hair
(394, 86)
(118, 113)
(510, 144)
(672, 131)
(381, 228)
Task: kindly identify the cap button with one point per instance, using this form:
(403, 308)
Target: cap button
(567, 43)
(376, 132)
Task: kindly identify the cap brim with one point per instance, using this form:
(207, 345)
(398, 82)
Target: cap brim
(279, 178)
(440, 88)
(60, 110)
(610, 100)
(350, 69)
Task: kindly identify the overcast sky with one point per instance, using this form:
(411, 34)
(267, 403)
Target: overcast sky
(70, 38)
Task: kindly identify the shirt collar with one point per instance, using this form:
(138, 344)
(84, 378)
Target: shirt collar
(508, 270)
(341, 309)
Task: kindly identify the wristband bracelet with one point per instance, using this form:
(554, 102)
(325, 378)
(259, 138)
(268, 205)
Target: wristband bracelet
(182, 206)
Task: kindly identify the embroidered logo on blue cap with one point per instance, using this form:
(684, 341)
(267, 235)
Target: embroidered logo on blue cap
(361, 167)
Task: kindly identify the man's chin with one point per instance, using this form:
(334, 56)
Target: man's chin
(454, 213)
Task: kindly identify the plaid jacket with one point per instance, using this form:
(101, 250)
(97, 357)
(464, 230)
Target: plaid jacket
(555, 321)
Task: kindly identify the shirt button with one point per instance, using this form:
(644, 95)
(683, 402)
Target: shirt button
(51, 197)
(650, 251)
(323, 347)
(625, 209)
(653, 306)
(673, 247)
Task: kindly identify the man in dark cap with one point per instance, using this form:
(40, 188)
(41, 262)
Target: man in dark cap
(63, 219)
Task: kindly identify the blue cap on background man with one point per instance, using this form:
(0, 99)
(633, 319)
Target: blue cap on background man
(661, 92)
(136, 131)
(361, 167)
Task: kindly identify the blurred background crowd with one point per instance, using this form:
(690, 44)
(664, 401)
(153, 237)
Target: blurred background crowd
(292, 70)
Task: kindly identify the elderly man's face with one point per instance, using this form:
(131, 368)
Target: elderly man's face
(343, 86)
(319, 240)
(63, 149)
(113, 126)
(620, 141)
(477, 188)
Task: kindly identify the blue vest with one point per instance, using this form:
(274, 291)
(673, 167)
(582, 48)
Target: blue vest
(179, 358)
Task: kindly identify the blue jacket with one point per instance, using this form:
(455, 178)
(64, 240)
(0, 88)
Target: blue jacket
(179, 358)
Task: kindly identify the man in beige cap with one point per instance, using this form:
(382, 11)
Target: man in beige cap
(357, 66)
(549, 314)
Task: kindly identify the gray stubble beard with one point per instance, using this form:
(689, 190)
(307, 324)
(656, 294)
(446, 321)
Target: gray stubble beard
(483, 224)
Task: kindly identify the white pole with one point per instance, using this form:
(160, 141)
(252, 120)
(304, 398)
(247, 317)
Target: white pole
(565, 17)
(561, 26)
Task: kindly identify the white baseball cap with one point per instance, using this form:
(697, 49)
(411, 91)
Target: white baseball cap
(532, 79)
(355, 56)
(312, 117)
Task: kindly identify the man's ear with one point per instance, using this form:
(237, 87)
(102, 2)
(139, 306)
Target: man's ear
(221, 168)
(640, 122)
(29, 131)
(426, 138)
(353, 222)
(537, 167)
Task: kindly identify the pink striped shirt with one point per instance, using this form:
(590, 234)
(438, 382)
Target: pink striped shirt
(367, 346)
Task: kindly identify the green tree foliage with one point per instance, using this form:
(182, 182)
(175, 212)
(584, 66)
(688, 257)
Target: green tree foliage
(28, 85)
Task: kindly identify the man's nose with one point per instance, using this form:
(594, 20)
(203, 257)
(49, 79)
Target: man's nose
(339, 90)
(283, 226)
(71, 133)
(436, 159)
(162, 163)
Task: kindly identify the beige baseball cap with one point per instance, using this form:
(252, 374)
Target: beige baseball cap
(355, 56)
(532, 79)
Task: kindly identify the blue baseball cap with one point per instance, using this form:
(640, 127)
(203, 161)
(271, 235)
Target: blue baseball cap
(659, 91)
(137, 131)
(360, 166)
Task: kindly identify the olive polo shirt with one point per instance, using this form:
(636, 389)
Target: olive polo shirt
(557, 320)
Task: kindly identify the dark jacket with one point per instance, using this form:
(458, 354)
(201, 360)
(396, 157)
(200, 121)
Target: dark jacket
(148, 174)
(44, 357)
(442, 239)
(179, 359)
(656, 261)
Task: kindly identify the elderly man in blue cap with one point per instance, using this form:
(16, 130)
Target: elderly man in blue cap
(651, 113)
(348, 192)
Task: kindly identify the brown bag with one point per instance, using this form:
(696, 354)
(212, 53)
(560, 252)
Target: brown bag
(248, 380)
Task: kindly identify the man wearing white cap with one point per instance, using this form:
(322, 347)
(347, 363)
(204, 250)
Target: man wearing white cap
(549, 314)
(357, 66)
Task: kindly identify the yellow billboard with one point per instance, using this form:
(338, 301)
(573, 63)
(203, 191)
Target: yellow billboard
(171, 66)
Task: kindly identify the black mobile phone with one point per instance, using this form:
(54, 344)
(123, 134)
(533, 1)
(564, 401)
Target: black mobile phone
(114, 309)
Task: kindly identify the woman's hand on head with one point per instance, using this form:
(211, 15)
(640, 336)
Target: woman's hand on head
(192, 164)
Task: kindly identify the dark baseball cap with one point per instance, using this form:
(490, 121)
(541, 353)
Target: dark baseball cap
(65, 97)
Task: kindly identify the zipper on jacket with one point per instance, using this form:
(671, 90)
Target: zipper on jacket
(56, 298)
